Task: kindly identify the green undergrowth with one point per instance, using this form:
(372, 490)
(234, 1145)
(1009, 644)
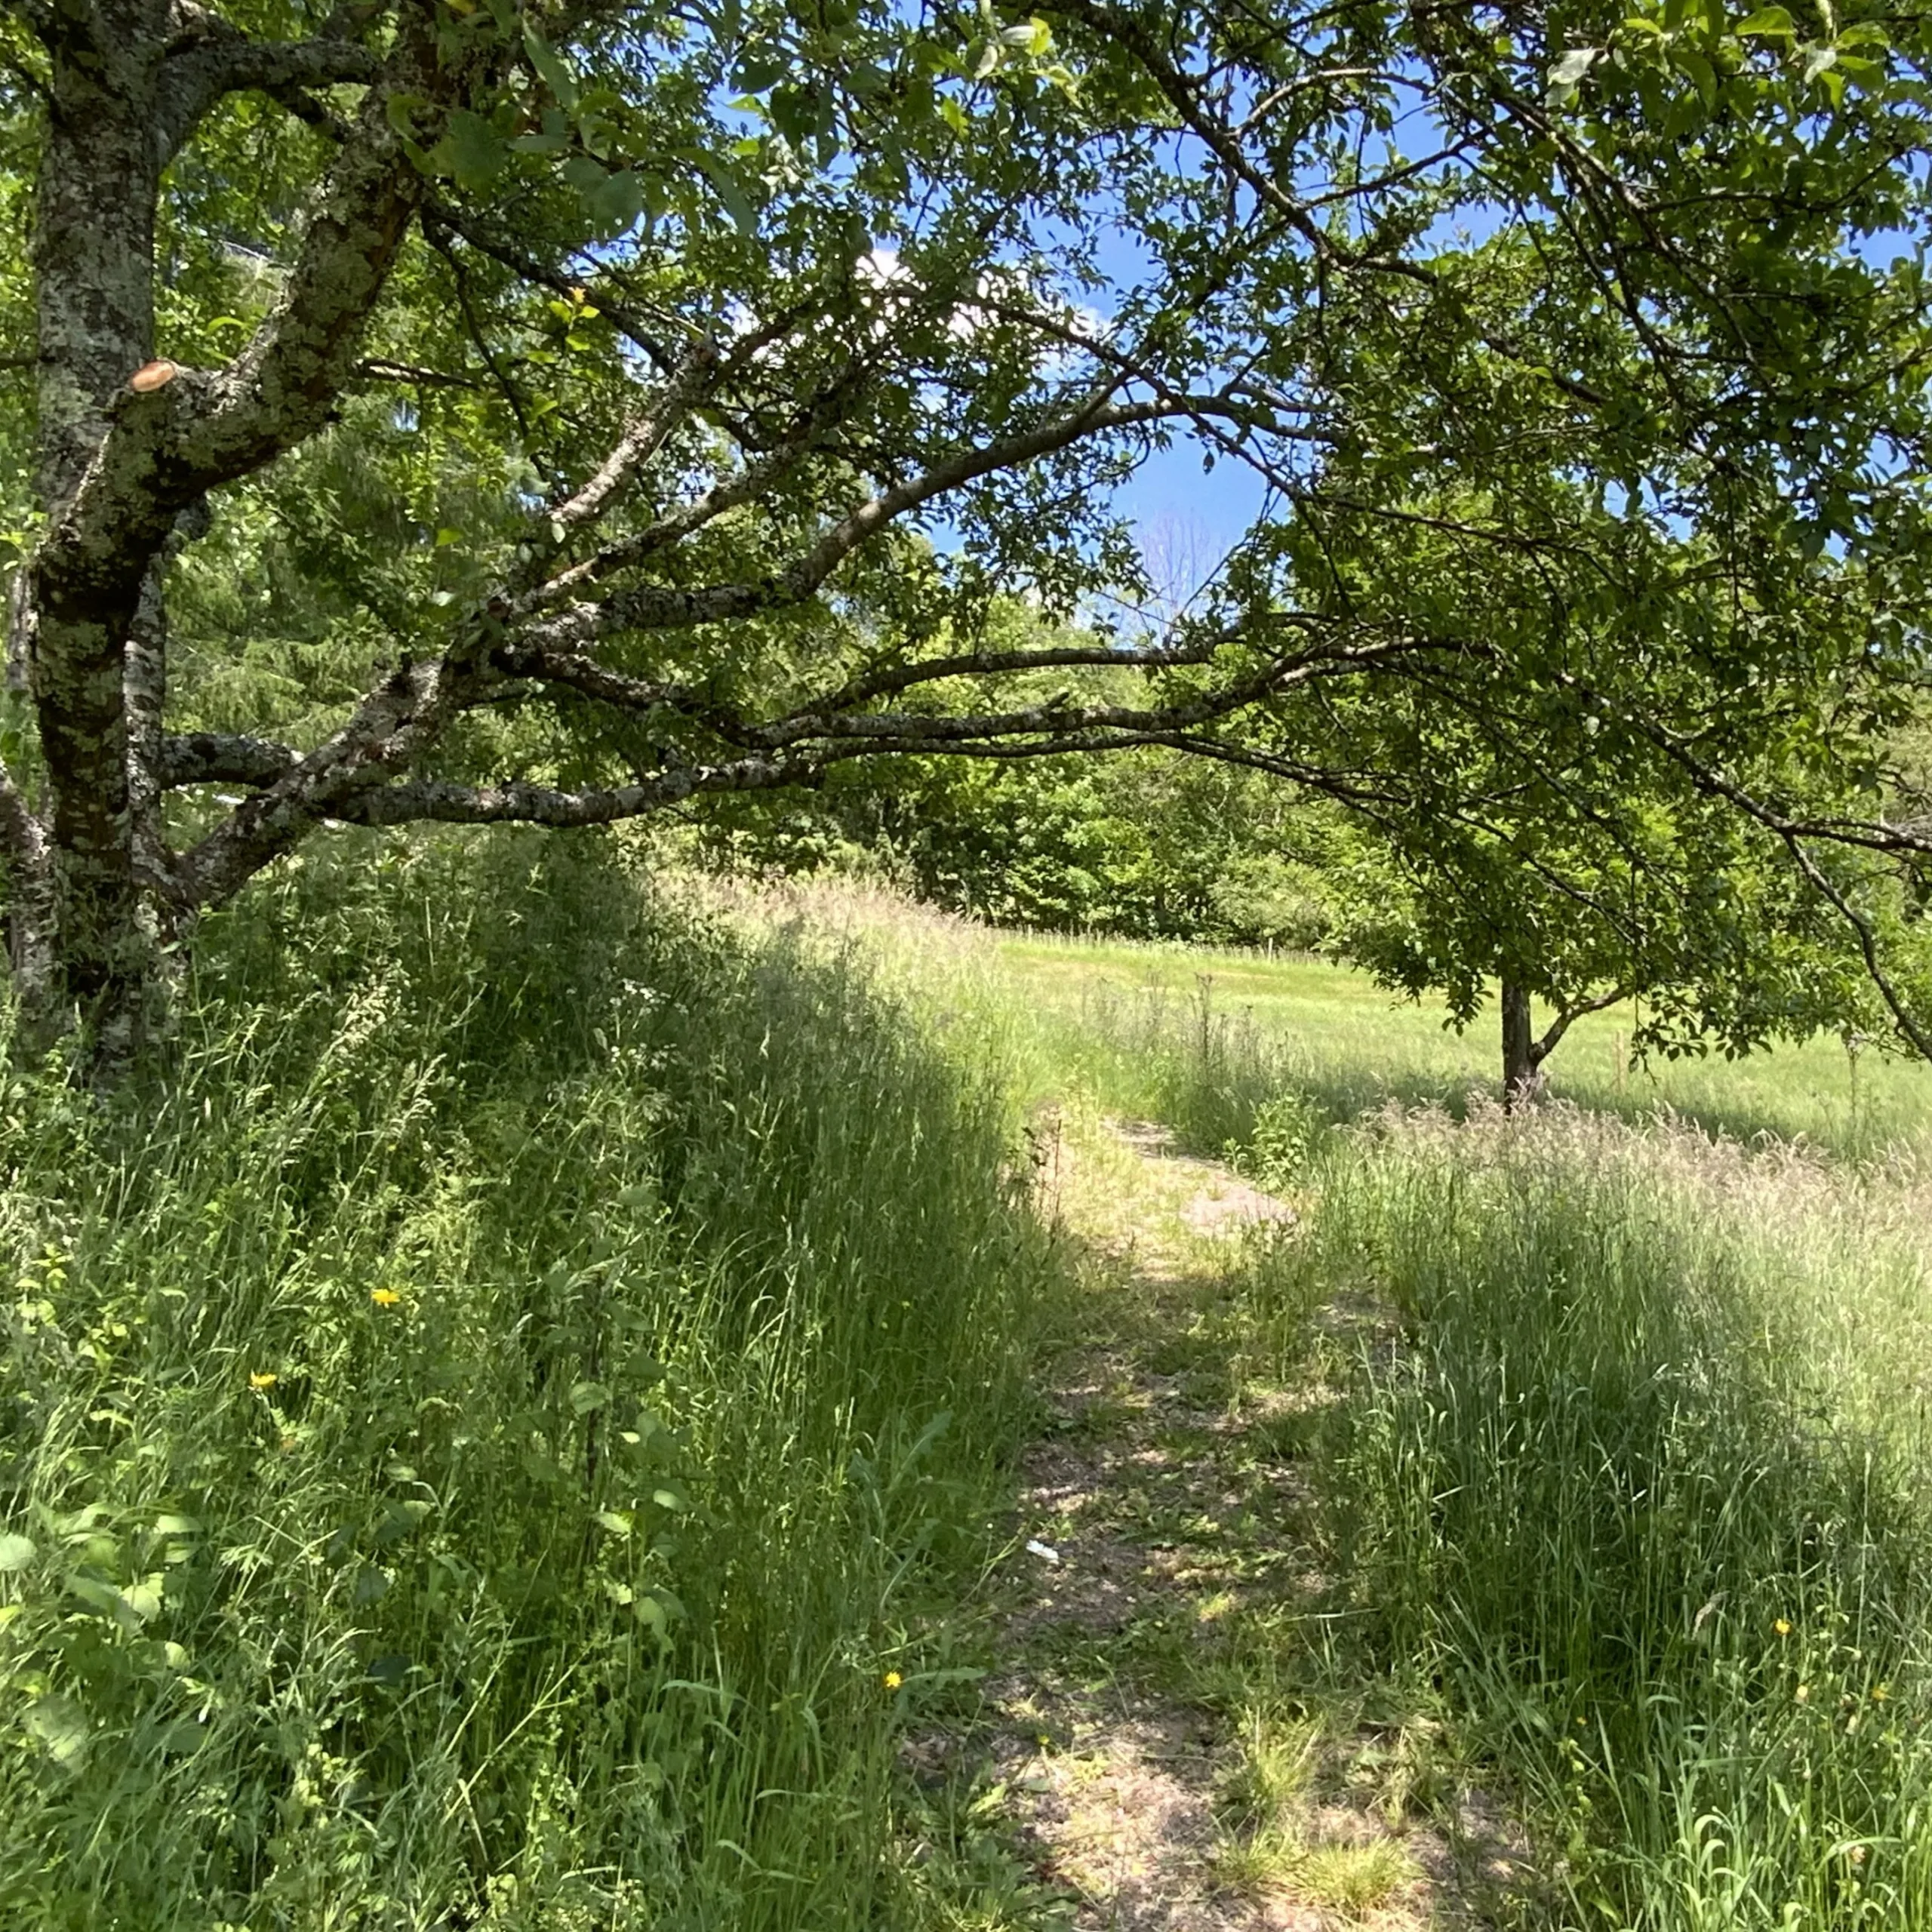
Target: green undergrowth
(1627, 1490)
(478, 1440)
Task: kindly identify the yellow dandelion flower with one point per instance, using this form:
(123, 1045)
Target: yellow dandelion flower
(1880, 1692)
(893, 1680)
(1803, 1694)
(384, 1298)
(261, 1379)
(1782, 1626)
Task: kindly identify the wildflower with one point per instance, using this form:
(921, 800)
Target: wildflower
(261, 1379)
(893, 1680)
(1803, 1694)
(1782, 1626)
(1880, 1692)
(1857, 1854)
(384, 1298)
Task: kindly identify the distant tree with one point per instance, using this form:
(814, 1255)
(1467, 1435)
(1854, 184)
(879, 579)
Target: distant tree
(1534, 833)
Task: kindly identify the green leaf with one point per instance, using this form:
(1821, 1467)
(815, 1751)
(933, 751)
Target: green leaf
(61, 1726)
(471, 150)
(1767, 24)
(616, 202)
(551, 68)
(108, 1600)
(401, 109)
(758, 71)
(1703, 75)
(585, 1396)
(1573, 66)
(729, 189)
(16, 1553)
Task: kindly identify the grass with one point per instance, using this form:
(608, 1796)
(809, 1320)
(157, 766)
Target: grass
(1269, 1846)
(1669, 1539)
(510, 1433)
(1629, 1483)
(1118, 1011)
(479, 1445)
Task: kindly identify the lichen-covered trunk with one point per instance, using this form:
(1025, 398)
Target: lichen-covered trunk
(1522, 1072)
(94, 269)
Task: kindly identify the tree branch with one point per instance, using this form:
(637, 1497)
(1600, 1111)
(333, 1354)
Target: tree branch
(1541, 1050)
(221, 59)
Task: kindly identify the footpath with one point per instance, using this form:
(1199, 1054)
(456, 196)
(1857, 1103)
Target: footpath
(1176, 1740)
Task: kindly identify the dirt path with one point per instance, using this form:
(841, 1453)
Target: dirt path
(1168, 1751)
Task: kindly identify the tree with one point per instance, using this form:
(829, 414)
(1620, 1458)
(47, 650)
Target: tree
(1144, 843)
(1535, 839)
(746, 343)
(1628, 478)
(629, 342)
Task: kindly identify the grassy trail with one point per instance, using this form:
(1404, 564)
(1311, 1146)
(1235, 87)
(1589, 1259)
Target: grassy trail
(1147, 1752)
(1536, 1533)
(518, 1434)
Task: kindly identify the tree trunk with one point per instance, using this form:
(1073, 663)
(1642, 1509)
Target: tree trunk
(1522, 1069)
(94, 269)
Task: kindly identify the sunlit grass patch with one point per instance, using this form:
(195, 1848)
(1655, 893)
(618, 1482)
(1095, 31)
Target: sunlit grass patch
(1351, 1878)
(1275, 1765)
(1203, 1040)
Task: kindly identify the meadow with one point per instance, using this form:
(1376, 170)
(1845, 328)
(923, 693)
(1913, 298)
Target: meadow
(1330, 1031)
(479, 1440)
(513, 1429)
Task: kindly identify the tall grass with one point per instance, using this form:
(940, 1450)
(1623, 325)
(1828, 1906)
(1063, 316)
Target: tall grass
(474, 1441)
(1634, 1468)
(1617, 1489)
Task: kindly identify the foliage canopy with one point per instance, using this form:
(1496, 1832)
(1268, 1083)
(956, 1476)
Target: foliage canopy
(551, 412)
